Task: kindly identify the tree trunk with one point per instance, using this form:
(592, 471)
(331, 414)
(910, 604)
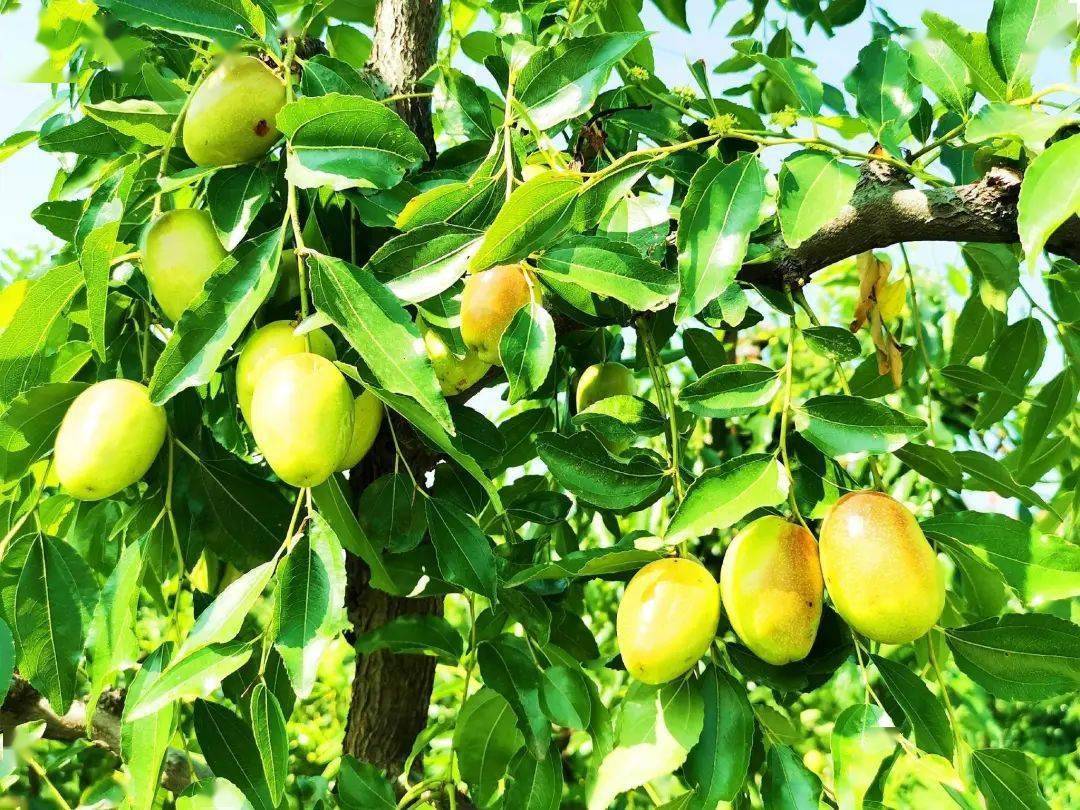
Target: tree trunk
(390, 692)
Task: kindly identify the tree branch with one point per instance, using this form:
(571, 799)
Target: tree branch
(24, 704)
(886, 210)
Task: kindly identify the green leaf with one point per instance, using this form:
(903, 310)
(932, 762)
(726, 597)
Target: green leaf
(145, 121)
(886, 94)
(527, 349)
(213, 322)
(414, 634)
(1014, 358)
(1039, 567)
(838, 425)
(731, 390)
(212, 794)
(339, 516)
(143, 743)
(389, 515)
(486, 738)
(786, 783)
(723, 495)
(938, 67)
(507, 667)
(859, 745)
(381, 331)
(309, 611)
(1008, 780)
(561, 82)
(975, 329)
(222, 619)
(196, 676)
(15, 142)
(271, 739)
(833, 342)
(234, 198)
(1049, 195)
(463, 551)
(581, 464)
(717, 765)
(1010, 122)
(231, 752)
(721, 209)
(29, 426)
(324, 75)
(595, 562)
(425, 261)
(986, 473)
(566, 697)
(362, 786)
(345, 142)
(49, 616)
(922, 709)
(1055, 401)
(798, 76)
(658, 726)
(95, 238)
(933, 463)
(611, 269)
(1019, 657)
(814, 188)
(536, 214)
(602, 192)
(534, 784)
(83, 137)
(973, 49)
(7, 659)
(621, 419)
(1018, 30)
(466, 110)
(470, 204)
(223, 21)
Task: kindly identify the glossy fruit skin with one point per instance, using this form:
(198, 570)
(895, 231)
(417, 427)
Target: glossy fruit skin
(180, 250)
(667, 619)
(455, 374)
(266, 346)
(108, 439)
(772, 589)
(881, 573)
(489, 302)
(367, 419)
(231, 116)
(11, 298)
(302, 418)
(602, 380)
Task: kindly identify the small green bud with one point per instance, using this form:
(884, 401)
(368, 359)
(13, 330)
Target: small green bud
(639, 74)
(721, 124)
(785, 118)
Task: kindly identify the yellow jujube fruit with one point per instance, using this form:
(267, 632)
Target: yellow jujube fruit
(180, 250)
(367, 419)
(11, 298)
(602, 380)
(771, 588)
(108, 439)
(231, 116)
(881, 573)
(455, 374)
(667, 619)
(266, 346)
(489, 302)
(302, 418)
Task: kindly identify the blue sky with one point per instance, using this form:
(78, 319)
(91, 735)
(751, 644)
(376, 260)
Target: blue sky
(26, 177)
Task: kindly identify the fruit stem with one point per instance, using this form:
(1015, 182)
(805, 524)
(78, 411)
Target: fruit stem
(508, 147)
(666, 401)
(958, 757)
(789, 374)
(174, 132)
(291, 211)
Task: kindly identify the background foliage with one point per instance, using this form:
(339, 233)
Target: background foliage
(665, 226)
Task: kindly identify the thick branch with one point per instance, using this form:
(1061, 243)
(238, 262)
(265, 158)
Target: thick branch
(887, 210)
(24, 704)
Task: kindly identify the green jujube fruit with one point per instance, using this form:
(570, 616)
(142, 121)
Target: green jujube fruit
(231, 116)
(367, 419)
(108, 439)
(266, 346)
(771, 589)
(455, 374)
(180, 250)
(602, 380)
(302, 418)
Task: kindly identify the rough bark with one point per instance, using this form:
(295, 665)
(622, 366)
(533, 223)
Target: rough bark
(24, 704)
(391, 692)
(886, 210)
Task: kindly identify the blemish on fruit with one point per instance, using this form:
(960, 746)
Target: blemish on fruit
(262, 127)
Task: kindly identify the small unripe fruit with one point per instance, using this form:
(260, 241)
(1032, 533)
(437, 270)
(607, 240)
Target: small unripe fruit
(231, 116)
(603, 380)
(771, 587)
(455, 374)
(108, 439)
(367, 418)
(265, 347)
(180, 251)
(302, 418)
(489, 302)
(881, 573)
(11, 298)
(667, 619)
